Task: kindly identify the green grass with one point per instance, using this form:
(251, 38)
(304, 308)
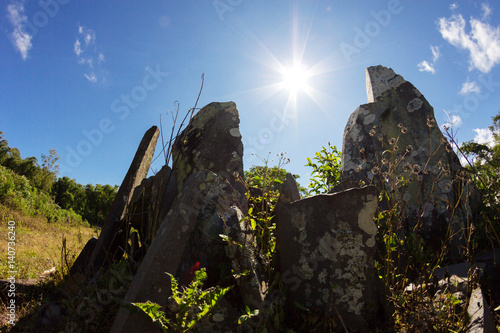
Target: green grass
(38, 244)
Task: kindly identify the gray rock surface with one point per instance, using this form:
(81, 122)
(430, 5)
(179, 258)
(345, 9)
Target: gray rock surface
(481, 319)
(326, 246)
(211, 141)
(394, 143)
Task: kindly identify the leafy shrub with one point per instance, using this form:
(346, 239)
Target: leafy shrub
(187, 306)
(326, 170)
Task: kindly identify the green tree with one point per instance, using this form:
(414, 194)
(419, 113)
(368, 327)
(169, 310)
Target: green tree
(484, 167)
(326, 169)
(485, 164)
(89, 201)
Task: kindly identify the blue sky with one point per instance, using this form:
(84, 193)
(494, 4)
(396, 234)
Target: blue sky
(88, 78)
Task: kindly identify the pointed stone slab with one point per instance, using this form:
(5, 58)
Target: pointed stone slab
(396, 136)
(108, 244)
(326, 246)
(211, 141)
(379, 79)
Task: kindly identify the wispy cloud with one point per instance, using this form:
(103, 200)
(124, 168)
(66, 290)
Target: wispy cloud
(486, 10)
(482, 42)
(435, 53)
(469, 87)
(426, 66)
(20, 38)
(91, 77)
(87, 54)
(78, 48)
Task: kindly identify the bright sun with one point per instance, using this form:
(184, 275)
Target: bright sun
(295, 78)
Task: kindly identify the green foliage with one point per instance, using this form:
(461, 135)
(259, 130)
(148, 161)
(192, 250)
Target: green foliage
(17, 193)
(484, 168)
(187, 306)
(268, 181)
(91, 202)
(41, 177)
(247, 315)
(326, 170)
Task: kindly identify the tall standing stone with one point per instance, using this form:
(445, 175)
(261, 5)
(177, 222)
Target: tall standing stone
(211, 141)
(326, 246)
(395, 143)
(108, 243)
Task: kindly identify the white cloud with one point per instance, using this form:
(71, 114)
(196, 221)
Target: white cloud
(435, 53)
(483, 41)
(78, 48)
(92, 78)
(20, 38)
(424, 66)
(484, 136)
(453, 6)
(469, 87)
(88, 55)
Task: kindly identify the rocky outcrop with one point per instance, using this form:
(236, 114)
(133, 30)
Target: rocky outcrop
(326, 246)
(210, 203)
(194, 215)
(394, 143)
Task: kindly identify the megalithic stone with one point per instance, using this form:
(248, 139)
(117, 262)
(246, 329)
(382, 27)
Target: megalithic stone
(107, 246)
(395, 136)
(326, 250)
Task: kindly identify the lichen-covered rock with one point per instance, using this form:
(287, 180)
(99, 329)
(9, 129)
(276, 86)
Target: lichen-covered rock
(211, 141)
(189, 234)
(326, 246)
(394, 143)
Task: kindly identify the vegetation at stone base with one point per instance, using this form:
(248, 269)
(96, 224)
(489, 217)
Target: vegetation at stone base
(35, 189)
(270, 178)
(187, 305)
(261, 206)
(326, 170)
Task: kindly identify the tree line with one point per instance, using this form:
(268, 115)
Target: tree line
(91, 202)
